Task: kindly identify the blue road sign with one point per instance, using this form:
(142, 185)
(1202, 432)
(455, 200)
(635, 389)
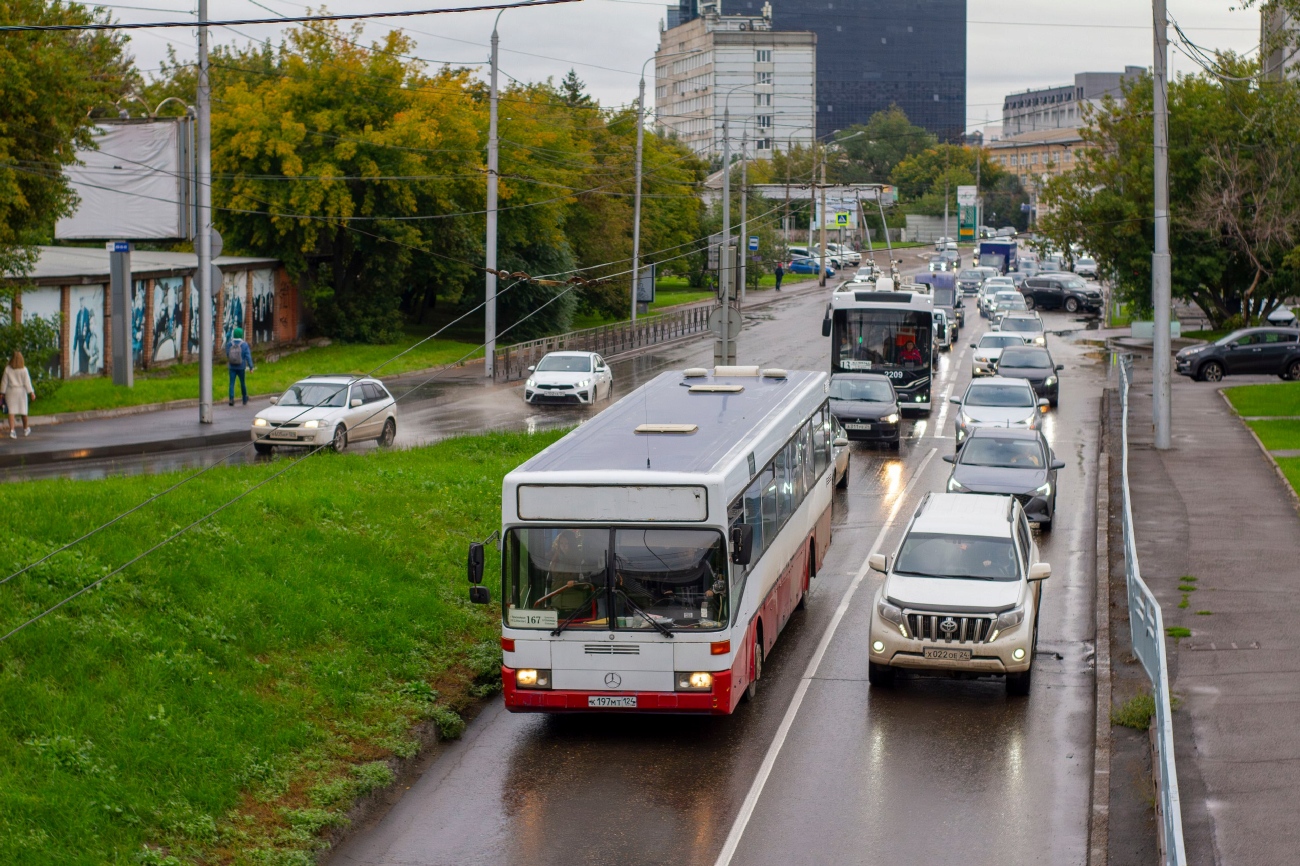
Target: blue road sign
(753, 243)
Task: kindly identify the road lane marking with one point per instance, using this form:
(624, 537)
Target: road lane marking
(787, 721)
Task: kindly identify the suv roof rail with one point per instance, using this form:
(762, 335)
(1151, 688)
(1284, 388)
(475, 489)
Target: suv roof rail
(920, 508)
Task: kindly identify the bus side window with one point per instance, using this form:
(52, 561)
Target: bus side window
(806, 455)
(820, 451)
(770, 482)
(787, 479)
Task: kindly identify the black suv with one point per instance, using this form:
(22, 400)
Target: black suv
(1061, 291)
(1273, 351)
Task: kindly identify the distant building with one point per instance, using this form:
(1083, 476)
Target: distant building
(1278, 51)
(765, 79)
(1062, 107)
(1036, 155)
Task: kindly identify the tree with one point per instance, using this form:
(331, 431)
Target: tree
(887, 139)
(1235, 214)
(924, 178)
(50, 84)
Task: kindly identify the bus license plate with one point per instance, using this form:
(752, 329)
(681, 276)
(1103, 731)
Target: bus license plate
(857, 426)
(625, 701)
(948, 655)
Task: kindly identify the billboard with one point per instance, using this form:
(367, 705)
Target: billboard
(966, 213)
(136, 185)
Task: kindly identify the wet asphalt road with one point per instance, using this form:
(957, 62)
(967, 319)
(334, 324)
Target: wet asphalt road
(932, 771)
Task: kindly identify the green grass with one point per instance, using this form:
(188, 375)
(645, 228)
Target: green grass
(181, 381)
(1290, 467)
(1135, 713)
(1177, 631)
(1277, 435)
(1282, 398)
(225, 699)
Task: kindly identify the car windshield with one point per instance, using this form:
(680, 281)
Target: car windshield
(969, 275)
(993, 285)
(1002, 297)
(565, 364)
(999, 394)
(1003, 453)
(937, 260)
(316, 394)
(1084, 262)
(674, 578)
(1026, 324)
(1038, 359)
(999, 341)
(871, 390)
(959, 556)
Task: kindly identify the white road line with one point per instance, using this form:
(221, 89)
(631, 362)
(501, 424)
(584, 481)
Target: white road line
(943, 410)
(774, 750)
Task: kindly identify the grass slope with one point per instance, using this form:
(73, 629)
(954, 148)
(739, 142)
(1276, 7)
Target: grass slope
(228, 697)
(181, 381)
(1252, 400)
(1277, 435)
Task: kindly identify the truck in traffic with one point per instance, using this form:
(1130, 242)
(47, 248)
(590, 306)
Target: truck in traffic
(1000, 253)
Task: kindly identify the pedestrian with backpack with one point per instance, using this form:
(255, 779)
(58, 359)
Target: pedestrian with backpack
(239, 359)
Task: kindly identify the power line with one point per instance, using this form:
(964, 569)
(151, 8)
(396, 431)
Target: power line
(296, 19)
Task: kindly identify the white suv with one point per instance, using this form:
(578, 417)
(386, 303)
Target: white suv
(962, 595)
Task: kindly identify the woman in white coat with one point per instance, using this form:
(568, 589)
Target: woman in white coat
(16, 383)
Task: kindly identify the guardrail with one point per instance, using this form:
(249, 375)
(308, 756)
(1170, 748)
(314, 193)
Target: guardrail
(1148, 632)
(512, 362)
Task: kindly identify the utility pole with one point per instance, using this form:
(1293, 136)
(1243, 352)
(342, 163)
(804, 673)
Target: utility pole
(636, 207)
(1160, 263)
(725, 345)
(203, 133)
(979, 159)
(945, 206)
(490, 308)
(821, 275)
(742, 246)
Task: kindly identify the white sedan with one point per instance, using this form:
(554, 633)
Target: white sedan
(569, 377)
(327, 410)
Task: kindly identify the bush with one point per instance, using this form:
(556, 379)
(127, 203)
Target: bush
(1135, 713)
(38, 340)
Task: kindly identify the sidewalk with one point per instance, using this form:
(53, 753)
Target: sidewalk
(1213, 508)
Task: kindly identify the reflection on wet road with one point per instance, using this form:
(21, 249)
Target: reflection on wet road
(932, 771)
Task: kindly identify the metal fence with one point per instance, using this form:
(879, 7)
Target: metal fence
(512, 362)
(1149, 645)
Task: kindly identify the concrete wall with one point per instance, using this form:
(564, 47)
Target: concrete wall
(929, 228)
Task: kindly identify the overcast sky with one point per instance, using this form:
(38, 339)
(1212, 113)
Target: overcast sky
(1011, 44)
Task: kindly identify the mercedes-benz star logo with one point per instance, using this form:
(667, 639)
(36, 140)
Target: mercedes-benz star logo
(613, 681)
(948, 626)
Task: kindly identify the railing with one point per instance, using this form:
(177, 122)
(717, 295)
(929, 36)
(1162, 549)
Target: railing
(512, 362)
(1149, 646)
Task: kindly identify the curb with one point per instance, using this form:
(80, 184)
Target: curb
(1099, 819)
(125, 449)
(1268, 455)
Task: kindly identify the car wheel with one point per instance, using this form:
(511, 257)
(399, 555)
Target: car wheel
(751, 690)
(896, 444)
(1029, 302)
(1293, 371)
(1072, 305)
(263, 447)
(1212, 371)
(340, 441)
(1053, 401)
(389, 434)
(880, 676)
(1018, 685)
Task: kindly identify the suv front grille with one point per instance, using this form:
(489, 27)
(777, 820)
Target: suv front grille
(964, 628)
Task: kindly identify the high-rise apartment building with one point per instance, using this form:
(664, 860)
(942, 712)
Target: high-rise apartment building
(764, 79)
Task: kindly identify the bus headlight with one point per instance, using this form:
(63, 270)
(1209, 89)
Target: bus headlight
(694, 681)
(533, 678)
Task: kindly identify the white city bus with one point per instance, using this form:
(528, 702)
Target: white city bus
(886, 332)
(651, 557)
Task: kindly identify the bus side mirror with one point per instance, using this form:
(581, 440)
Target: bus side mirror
(742, 543)
(826, 327)
(479, 595)
(474, 563)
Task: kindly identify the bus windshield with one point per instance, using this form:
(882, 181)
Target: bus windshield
(872, 338)
(574, 576)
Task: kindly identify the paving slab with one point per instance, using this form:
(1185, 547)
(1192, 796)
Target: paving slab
(1214, 508)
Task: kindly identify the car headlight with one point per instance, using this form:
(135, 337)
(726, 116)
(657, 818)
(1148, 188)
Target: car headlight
(1010, 618)
(259, 422)
(697, 681)
(963, 419)
(1051, 380)
(894, 614)
(531, 383)
(1040, 341)
(955, 486)
(313, 424)
(891, 418)
(583, 383)
(533, 678)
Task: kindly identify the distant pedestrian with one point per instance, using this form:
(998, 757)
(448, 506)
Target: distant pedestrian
(779, 273)
(16, 383)
(239, 358)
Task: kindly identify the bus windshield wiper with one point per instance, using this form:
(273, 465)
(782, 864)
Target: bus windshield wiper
(577, 610)
(658, 626)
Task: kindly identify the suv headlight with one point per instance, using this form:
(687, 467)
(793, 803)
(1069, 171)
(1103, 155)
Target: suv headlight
(894, 614)
(1051, 380)
(891, 418)
(1007, 619)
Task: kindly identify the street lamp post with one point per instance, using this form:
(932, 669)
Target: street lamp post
(490, 244)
